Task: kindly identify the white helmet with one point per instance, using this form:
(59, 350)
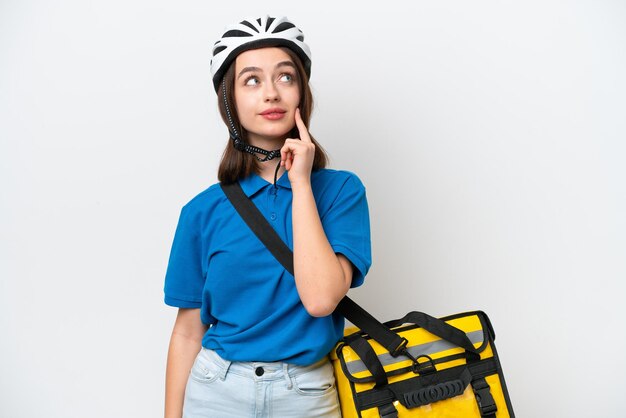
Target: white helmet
(257, 33)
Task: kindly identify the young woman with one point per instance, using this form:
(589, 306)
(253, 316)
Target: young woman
(250, 339)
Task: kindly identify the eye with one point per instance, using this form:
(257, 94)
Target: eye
(251, 81)
(286, 78)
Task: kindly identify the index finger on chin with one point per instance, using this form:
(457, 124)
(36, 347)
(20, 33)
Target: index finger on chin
(302, 129)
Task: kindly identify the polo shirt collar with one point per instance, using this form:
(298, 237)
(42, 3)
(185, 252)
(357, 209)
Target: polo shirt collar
(283, 181)
(253, 183)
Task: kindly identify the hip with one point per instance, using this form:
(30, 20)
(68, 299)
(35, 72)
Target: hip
(221, 388)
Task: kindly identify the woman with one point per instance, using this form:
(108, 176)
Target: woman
(250, 339)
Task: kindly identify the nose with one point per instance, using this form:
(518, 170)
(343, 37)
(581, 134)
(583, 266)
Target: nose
(271, 93)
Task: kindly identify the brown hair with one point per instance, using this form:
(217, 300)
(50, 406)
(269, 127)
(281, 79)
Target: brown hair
(237, 164)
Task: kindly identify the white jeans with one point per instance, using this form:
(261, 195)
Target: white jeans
(223, 389)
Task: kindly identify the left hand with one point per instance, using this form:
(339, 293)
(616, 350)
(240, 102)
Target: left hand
(297, 155)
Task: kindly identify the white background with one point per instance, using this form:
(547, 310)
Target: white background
(489, 134)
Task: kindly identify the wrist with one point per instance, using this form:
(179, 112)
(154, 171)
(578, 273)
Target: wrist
(300, 185)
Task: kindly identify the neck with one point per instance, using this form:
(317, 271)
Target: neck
(268, 168)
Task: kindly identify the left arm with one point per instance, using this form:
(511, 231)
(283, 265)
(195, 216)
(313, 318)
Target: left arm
(322, 277)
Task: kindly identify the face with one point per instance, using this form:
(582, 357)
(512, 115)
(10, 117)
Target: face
(266, 94)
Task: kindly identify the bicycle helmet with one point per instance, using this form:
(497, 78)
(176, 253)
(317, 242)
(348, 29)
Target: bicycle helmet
(257, 33)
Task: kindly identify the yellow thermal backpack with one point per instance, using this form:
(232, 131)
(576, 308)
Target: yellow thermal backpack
(419, 366)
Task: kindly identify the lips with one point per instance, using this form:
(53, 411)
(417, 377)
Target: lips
(273, 110)
(273, 113)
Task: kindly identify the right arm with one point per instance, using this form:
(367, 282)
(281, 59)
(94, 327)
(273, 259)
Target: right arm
(185, 343)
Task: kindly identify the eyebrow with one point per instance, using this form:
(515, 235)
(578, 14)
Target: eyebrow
(252, 69)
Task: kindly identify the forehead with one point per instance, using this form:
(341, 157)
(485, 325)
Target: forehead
(264, 58)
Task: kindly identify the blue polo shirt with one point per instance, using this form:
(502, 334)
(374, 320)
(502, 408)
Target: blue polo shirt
(249, 300)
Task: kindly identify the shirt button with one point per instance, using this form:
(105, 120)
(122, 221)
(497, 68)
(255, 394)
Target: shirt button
(273, 216)
(259, 371)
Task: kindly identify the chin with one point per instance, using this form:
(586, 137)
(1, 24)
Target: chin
(276, 133)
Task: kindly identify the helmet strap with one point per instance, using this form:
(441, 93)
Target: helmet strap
(239, 143)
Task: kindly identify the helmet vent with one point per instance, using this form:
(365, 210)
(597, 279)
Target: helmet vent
(283, 26)
(219, 49)
(250, 25)
(235, 33)
(269, 22)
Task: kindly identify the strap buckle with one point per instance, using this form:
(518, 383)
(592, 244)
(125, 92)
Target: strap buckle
(388, 411)
(486, 403)
(400, 349)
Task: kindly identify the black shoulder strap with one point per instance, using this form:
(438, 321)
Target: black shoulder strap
(268, 236)
(259, 225)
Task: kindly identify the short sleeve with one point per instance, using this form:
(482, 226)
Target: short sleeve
(347, 227)
(184, 279)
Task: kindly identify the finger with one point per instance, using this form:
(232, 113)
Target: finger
(283, 153)
(290, 147)
(287, 160)
(302, 129)
(286, 152)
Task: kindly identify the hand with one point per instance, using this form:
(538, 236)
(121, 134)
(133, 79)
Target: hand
(297, 155)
